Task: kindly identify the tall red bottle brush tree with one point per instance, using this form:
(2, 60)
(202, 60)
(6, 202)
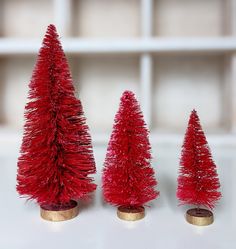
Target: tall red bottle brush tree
(56, 153)
(198, 182)
(128, 180)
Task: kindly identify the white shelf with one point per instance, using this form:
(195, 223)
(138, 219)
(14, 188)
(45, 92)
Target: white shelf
(13, 46)
(10, 140)
(149, 45)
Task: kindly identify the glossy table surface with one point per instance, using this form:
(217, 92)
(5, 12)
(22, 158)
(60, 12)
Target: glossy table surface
(97, 225)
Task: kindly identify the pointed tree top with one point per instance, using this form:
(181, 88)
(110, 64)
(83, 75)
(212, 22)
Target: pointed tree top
(51, 28)
(194, 114)
(128, 99)
(52, 31)
(194, 118)
(128, 94)
(51, 36)
(194, 111)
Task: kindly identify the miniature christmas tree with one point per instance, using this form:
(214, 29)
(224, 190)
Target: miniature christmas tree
(128, 179)
(56, 153)
(198, 182)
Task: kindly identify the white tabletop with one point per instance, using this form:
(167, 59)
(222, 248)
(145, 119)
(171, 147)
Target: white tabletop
(97, 226)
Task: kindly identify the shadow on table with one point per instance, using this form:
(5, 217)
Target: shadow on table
(87, 202)
(167, 188)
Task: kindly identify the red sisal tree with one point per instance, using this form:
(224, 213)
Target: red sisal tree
(198, 181)
(56, 153)
(128, 179)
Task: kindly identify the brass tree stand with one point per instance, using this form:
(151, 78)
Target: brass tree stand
(130, 213)
(61, 214)
(199, 217)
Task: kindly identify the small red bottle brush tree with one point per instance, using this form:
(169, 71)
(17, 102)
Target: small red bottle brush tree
(56, 153)
(128, 180)
(198, 182)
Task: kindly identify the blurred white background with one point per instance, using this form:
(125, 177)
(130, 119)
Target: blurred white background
(175, 55)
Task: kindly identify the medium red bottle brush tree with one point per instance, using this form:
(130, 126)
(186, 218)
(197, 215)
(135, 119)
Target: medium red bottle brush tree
(56, 156)
(198, 182)
(128, 179)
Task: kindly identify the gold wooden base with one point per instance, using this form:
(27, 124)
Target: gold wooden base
(60, 215)
(199, 217)
(131, 214)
